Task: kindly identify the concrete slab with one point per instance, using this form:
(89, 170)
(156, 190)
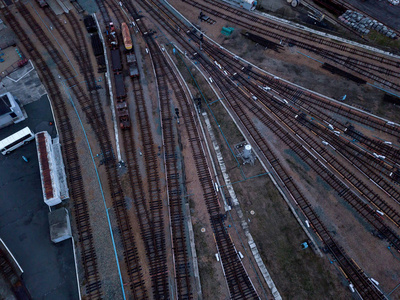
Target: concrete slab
(7, 36)
(49, 269)
(24, 84)
(60, 226)
(89, 5)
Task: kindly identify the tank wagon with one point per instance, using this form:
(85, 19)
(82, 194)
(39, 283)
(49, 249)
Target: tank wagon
(126, 35)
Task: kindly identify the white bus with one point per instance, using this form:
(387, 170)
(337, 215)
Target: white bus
(22, 137)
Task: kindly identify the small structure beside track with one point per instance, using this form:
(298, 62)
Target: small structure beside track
(52, 171)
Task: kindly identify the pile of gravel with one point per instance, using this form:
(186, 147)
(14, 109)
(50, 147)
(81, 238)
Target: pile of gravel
(363, 24)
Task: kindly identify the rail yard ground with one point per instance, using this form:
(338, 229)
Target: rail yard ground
(136, 216)
(293, 65)
(274, 228)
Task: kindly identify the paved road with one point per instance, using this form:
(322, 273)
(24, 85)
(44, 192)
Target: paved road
(49, 269)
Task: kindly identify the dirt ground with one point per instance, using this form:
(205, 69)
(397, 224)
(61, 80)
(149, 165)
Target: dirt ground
(346, 222)
(298, 274)
(281, 252)
(292, 65)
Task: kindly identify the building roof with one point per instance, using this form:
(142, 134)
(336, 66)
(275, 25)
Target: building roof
(45, 167)
(5, 105)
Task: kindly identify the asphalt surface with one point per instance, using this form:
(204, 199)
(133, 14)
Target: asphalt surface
(49, 269)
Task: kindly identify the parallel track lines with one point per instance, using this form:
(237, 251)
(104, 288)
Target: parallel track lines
(354, 65)
(182, 265)
(354, 273)
(95, 116)
(70, 154)
(239, 283)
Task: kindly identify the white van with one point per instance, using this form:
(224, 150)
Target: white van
(16, 140)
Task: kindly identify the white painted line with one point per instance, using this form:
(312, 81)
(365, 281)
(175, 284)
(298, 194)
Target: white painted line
(76, 268)
(301, 27)
(22, 75)
(9, 252)
(286, 81)
(115, 121)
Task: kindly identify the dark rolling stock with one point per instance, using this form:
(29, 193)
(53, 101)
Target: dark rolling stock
(90, 24)
(101, 63)
(121, 105)
(123, 115)
(116, 60)
(119, 87)
(132, 64)
(96, 44)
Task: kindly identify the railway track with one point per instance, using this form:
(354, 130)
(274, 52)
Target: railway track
(239, 284)
(315, 105)
(93, 286)
(359, 159)
(354, 273)
(380, 147)
(149, 212)
(282, 112)
(95, 116)
(292, 37)
(182, 264)
(11, 276)
(291, 31)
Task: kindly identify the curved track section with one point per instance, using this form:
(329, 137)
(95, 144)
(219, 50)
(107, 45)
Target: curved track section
(354, 273)
(91, 277)
(95, 116)
(239, 283)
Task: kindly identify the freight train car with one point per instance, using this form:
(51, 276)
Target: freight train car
(96, 44)
(119, 87)
(126, 36)
(112, 36)
(123, 115)
(116, 60)
(132, 63)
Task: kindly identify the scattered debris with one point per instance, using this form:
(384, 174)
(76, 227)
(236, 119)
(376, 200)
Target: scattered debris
(363, 24)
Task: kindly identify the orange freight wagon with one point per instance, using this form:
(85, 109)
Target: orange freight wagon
(127, 36)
